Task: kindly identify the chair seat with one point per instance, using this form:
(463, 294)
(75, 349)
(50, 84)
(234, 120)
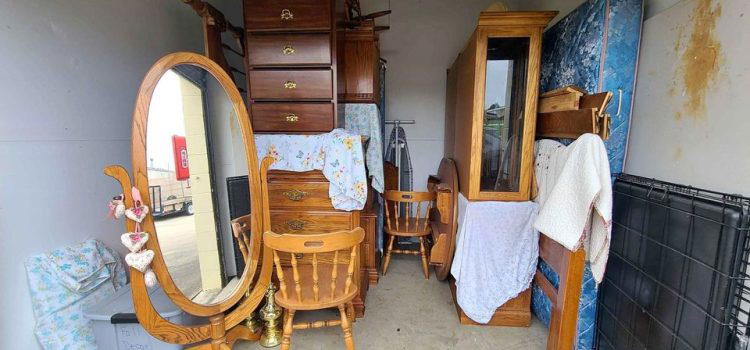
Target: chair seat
(415, 228)
(324, 283)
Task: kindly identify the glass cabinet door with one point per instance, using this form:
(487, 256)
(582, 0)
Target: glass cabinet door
(504, 107)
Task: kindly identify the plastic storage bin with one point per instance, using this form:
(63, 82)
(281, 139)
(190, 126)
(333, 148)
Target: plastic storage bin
(116, 326)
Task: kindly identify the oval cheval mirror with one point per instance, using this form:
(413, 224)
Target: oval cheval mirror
(191, 132)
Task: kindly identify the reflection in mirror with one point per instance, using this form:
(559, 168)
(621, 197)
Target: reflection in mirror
(194, 143)
(504, 106)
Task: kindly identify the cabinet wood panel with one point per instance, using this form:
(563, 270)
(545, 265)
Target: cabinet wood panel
(292, 117)
(289, 49)
(308, 222)
(291, 84)
(269, 15)
(299, 195)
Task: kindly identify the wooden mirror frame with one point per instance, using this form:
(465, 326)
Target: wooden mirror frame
(222, 330)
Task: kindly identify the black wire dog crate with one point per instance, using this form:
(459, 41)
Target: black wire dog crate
(677, 273)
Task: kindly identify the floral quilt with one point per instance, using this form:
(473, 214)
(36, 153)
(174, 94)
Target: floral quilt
(338, 154)
(62, 282)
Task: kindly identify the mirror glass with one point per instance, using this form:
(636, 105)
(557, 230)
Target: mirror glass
(194, 144)
(504, 106)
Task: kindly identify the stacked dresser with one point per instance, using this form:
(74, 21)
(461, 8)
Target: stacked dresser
(291, 64)
(292, 89)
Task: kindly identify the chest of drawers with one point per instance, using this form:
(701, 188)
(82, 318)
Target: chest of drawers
(300, 204)
(291, 60)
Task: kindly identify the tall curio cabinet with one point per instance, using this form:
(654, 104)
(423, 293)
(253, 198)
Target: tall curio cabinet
(491, 106)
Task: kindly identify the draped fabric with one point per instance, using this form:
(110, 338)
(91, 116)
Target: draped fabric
(338, 154)
(364, 119)
(496, 254)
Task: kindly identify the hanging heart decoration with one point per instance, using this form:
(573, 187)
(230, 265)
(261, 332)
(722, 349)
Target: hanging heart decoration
(134, 241)
(150, 278)
(140, 261)
(117, 207)
(137, 213)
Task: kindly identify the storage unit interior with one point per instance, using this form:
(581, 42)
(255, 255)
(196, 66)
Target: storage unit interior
(479, 82)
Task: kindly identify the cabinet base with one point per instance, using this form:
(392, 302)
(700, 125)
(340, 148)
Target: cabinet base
(514, 313)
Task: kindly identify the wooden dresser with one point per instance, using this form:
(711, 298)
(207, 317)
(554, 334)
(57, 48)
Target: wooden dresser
(291, 64)
(300, 204)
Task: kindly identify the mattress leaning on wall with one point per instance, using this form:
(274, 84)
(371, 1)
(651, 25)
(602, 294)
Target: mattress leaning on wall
(596, 48)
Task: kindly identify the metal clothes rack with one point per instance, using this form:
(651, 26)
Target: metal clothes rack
(396, 124)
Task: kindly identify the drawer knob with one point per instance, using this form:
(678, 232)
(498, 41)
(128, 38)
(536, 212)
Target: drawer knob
(292, 118)
(290, 85)
(288, 50)
(286, 14)
(296, 225)
(295, 195)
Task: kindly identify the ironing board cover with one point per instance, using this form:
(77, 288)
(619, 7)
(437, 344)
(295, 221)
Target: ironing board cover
(65, 280)
(338, 154)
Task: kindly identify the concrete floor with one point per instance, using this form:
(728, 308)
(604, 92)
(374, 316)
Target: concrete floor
(179, 246)
(405, 311)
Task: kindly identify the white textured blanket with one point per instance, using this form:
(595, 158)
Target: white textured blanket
(572, 181)
(496, 254)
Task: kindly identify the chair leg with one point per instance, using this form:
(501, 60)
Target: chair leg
(286, 338)
(388, 249)
(350, 310)
(346, 326)
(422, 250)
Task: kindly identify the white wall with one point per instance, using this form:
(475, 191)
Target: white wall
(69, 73)
(670, 139)
(424, 39)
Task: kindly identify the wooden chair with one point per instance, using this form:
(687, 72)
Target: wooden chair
(413, 224)
(314, 279)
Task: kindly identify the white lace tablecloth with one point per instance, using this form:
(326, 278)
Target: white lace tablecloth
(496, 254)
(364, 119)
(338, 154)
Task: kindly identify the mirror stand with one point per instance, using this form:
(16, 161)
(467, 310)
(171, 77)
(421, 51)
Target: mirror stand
(224, 327)
(222, 330)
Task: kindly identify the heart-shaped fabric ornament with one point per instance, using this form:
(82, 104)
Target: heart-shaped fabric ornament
(140, 261)
(134, 241)
(150, 278)
(137, 214)
(119, 210)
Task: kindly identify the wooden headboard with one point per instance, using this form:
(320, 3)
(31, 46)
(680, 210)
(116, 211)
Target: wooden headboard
(569, 266)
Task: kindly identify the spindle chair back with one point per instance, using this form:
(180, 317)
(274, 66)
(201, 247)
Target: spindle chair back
(241, 230)
(326, 282)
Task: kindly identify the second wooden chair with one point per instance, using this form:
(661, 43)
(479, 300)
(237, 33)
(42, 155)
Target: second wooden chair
(316, 271)
(415, 222)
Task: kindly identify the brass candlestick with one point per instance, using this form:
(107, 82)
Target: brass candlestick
(253, 322)
(270, 313)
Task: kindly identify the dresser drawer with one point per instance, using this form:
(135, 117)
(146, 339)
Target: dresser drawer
(299, 195)
(289, 49)
(292, 117)
(291, 84)
(262, 15)
(309, 222)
